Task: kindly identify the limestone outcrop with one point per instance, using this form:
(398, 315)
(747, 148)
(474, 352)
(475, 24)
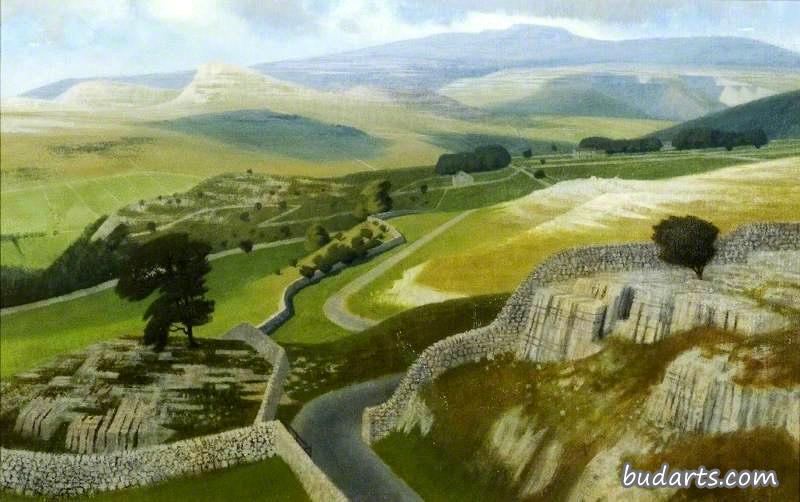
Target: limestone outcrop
(701, 394)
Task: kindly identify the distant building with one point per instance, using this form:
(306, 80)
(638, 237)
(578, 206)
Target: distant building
(586, 153)
(667, 145)
(461, 179)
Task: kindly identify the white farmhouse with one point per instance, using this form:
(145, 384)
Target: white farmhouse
(461, 179)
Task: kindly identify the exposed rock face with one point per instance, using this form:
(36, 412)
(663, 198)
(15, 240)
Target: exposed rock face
(576, 298)
(528, 452)
(568, 320)
(699, 394)
(562, 325)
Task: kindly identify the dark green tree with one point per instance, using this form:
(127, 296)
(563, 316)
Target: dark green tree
(687, 241)
(373, 199)
(316, 237)
(528, 153)
(174, 267)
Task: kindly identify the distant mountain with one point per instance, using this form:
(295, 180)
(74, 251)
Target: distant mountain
(778, 115)
(173, 80)
(430, 62)
(435, 60)
(103, 93)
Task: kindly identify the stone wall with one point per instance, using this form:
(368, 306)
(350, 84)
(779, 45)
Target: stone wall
(273, 353)
(286, 304)
(473, 345)
(316, 484)
(502, 336)
(69, 475)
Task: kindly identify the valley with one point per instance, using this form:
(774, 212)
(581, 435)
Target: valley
(408, 276)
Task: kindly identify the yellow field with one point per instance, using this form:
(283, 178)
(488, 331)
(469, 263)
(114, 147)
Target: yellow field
(495, 248)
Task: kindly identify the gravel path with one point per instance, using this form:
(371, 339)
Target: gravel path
(335, 308)
(331, 425)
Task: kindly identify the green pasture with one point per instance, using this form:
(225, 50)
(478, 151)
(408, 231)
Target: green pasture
(309, 324)
(389, 347)
(244, 286)
(55, 212)
(269, 479)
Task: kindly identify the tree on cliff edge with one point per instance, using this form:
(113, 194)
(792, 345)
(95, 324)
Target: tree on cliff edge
(175, 267)
(687, 241)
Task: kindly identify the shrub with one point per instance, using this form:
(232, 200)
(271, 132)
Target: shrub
(151, 226)
(366, 233)
(246, 245)
(542, 161)
(285, 231)
(528, 153)
(307, 271)
(259, 206)
(687, 241)
(374, 198)
(539, 174)
(249, 171)
(245, 216)
(423, 188)
(316, 237)
(293, 262)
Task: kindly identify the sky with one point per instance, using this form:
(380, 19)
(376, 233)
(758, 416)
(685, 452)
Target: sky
(47, 40)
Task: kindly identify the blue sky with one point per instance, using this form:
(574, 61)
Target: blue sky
(47, 40)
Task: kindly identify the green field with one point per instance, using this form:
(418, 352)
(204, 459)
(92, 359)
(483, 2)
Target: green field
(309, 324)
(269, 479)
(56, 212)
(244, 286)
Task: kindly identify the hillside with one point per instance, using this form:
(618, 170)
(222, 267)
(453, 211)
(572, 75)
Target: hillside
(778, 115)
(430, 62)
(103, 93)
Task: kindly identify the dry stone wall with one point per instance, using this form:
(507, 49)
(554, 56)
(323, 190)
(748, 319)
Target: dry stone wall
(273, 353)
(69, 475)
(503, 335)
(286, 302)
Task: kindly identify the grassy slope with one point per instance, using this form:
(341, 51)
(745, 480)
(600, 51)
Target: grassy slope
(510, 242)
(778, 115)
(287, 135)
(587, 405)
(269, 479)
(386, 348)
(243, 286)
(309, 325)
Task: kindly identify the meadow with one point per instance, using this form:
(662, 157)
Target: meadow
(33, 336)
(509, 239)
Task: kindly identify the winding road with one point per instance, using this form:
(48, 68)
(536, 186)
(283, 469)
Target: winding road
(331, 425)
(335, 307)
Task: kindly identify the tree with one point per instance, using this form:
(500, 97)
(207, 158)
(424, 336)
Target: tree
(151, 226)
(542, 161)
(246, 245)
(175, 267)
(374, 198)
(423, 188)
(553, 147)
(528, 153)
(538, 174)
(687, 241)
(316, 237)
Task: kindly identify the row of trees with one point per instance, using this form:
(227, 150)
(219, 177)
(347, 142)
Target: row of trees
(83, 264)
(611, 146)
(484, 158)
(337, 251)
(703, 137)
